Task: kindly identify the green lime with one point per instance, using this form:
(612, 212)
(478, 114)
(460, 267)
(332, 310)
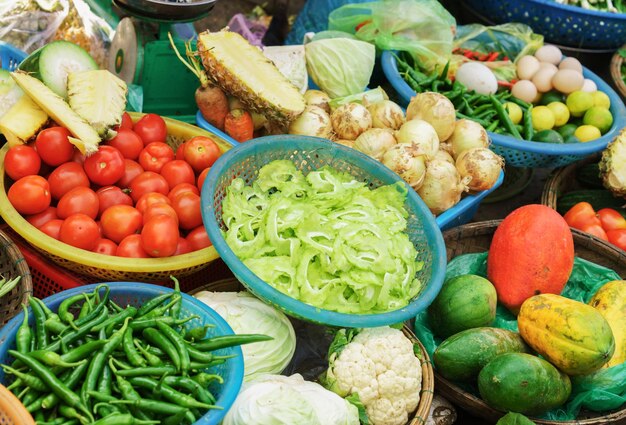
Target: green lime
(600, 117)
(572, 139)
(548, 136)
(551, 96)
(543, 118)
(587, 133)
(567, 130)
(578, 102)
(561, 113)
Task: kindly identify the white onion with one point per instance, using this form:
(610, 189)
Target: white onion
(317, 98)
(386, 114)
(442, 186)
(350, 120)
(436, 109)
(481, 165)
(401, 160)
(467, 134)
(375, 142)
(443, 155)
(421, 135)
(313, 121)
(345, 142)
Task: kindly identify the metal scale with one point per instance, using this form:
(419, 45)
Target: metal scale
(141, 53)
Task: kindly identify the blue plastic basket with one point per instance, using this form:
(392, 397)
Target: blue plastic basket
(311, 153)
(133, 293)
(205, 125)
(10, 56)
(524, 153)
(570, 26)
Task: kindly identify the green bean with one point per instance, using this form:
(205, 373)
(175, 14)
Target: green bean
(504, 118)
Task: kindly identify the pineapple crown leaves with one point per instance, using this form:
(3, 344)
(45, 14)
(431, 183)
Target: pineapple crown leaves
(192, 62)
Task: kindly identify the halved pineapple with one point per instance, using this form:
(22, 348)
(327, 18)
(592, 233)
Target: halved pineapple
(613, 165)
(22, 121)
(242, 70)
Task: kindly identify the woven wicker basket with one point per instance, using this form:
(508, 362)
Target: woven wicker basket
(476, 237)
(420, 416)
(561, 181)
(12, 264)
(616, 72)
(12, 411)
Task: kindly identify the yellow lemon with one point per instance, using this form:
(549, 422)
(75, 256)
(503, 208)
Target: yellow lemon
(587, 133)
(514, 111)
(601, 99)
(599, 117)
(543, 118)
(578, 102)
(560, 111)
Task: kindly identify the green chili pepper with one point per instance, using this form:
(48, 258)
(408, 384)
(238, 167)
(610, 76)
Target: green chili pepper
(176, 308)
(104, 401)
(71, 413)
(133, 356)
(151, 358)
(150, 322)
(106, 381)
(205, 379)
(127, 390)
(51, 400)
(504, 117)
(31, 381)
(76, 334)
(154, 406)
(520, 102)
(170, 393)
(178, 343)
(157, 339)
(83, 351)
(130, 311)
(205, 356)
(529, 131)
(115, 307)
(53, 383)
(154, 371)
(122, 419)
(162, 309)
(41, 333)
(493, 125)
(188, 384)
(197, 333)
(63, 311)
(154, 303)
(24, 335)
(53, 359)
(177, 418)
(460, 115)
(85, 308)
(224, 341)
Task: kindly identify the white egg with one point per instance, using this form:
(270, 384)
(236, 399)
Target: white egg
(549, 53)
(571, 63)
(524, 90)
(589, 86)
(527, 66)
(567, 81)
(543, 79)
(548, 65)
(476, 76)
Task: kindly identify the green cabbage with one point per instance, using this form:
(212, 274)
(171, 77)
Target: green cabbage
(289, 400)
(247, 314)
(324, 238)
(340, 66)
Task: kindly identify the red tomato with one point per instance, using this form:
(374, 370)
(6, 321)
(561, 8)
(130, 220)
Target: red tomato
(43, 217)
(128, 143)
(201, 152)
(159, 209)
(617, 237)
(126, 123)
(81, 200)
(105, 167)
(112, 195)
(80, 230)
(21, 161)
(149, 199)
(53, 146)
(581, 215)
(183, 247)
(198, 238)
(151, 128)
(30, 195)
(67, 177)
(78, 157)
(180, 151)
(155, 155)
(120, 221)
(52, 228)
(178, 171)
(611, 219)
(147, 182)
(182, 188)
(105, 247)
(202, 177)
(131, 170)
(187, 207)
(594, 229)
(131, 247)
(159, 236)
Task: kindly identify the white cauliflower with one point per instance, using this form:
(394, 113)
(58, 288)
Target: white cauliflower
(380, 366)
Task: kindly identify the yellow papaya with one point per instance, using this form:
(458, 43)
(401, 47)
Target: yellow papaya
(610, 301)
(571, 335)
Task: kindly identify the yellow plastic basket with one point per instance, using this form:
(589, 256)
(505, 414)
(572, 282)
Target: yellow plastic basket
(106, 267)
(12, 411)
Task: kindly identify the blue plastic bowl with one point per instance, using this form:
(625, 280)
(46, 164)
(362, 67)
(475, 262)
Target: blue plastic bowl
(525, 153)
(205, 125)
(311, 153)
(10, 56)
(136, 294)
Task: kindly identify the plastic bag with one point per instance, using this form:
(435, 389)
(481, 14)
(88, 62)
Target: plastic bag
(31, 24)
(600, 391)
(423, 28)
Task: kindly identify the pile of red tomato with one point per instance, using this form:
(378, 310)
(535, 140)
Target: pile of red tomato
(606, 223)
(134, 197)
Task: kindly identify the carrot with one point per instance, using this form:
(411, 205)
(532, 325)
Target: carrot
(239, 125)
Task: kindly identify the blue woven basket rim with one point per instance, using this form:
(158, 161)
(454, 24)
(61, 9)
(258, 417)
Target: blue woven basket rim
(618, 110)
(579, 10)
(433, 237)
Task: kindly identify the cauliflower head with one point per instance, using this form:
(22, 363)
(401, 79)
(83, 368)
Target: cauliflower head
(380, 366)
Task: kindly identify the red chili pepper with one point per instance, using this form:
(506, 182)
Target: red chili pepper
(618, 238)
(493, 56)
(505, 84)
(358, 27)
(468, 54)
